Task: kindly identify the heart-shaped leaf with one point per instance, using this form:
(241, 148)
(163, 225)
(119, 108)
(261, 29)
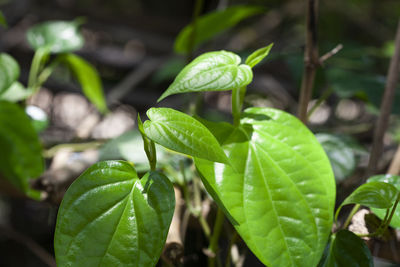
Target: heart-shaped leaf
(340, 155)
(373, 194)
(347, 249)
(180, 132)
(258, 55)
(88, 78)
(60, 36)
(278, 190)
(110, 217)
(395, 181)
(21, 152)
(9, 71)
(211, 24)
(213, 71)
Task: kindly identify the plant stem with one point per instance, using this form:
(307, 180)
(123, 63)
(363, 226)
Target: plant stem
(311, 59)
(77, 147)
(237, 103)
(386, 106)
(324, 96)
(391, 213)
(231, 243)
(353, 211)
(192, 40)
(148, 145)
(219, 222)
(40, 57)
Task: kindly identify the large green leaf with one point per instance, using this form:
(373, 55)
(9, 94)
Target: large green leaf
(21, 153)
(278, 190)
(9, 71)
(374, 194)
(347, 249)
(395, 181)
(88, 78)
(341, 155)
(211, 24)
(213, 71)
(60, 36)
(258, 55)
(110, 217)
(180, 132)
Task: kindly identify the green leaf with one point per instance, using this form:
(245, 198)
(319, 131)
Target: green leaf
(88, 78)
(60, 36)
(110, 217)
(347, 249)
(340, 155)
(39, 118)
(278, 191)
(9, 71)
(373, 194)
(16, 92)
(258, 55)
(3, 21)
(395, 181)
(21, 152)
(180, 132)
(211, 24)
(212, 71)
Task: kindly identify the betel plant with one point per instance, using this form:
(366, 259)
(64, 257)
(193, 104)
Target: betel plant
(266, 171)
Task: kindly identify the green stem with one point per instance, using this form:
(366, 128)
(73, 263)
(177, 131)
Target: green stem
(39, 59)
(231, 243)
(324, 96)
(149, 146)
(76, 147)
(237, 104)
(391, 213)
(192, 40)
(219, 223)
(45, 74)
(353, 211)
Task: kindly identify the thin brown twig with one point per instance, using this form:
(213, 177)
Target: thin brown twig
(386, 107)
(311, 59)
(40, 252)
(331, 53)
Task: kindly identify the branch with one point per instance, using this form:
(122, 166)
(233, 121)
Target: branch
(386, 107)
(311, 60)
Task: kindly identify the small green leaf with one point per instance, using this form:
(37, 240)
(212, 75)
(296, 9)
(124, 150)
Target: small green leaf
(258, 55)
(180, 132)
(211, 24)
(16, 92)
(38, 117)
(60, 36)
(88, 78)
(21, 152)
(275, 161)
(373, 194)
(213, 71)
(9, 71)
(395, 181)
(110, 217)
(347, 249)
(340, 154)
(3, 21)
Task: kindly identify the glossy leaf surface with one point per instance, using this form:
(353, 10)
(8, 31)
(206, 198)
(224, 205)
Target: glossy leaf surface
(278, 190)
(21, 153)
(213, 71)
(9, 71)
(110, 217)
(395, 181)
(180, 132)
(347, 249)
(88, 78)
(211, 24)
(60, 36)
(373, 194)
(258, 55)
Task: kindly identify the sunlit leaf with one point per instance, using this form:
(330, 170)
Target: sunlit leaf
(9, 71)
(89, 79)
(21, 153)
(38, 116)
(213, 71)
(180, 132)
(16, 92)
(60, 36)
(211, 24)
(275, 161)
(395, 181)
(347, 249)
(258, 55)
(110, 217)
